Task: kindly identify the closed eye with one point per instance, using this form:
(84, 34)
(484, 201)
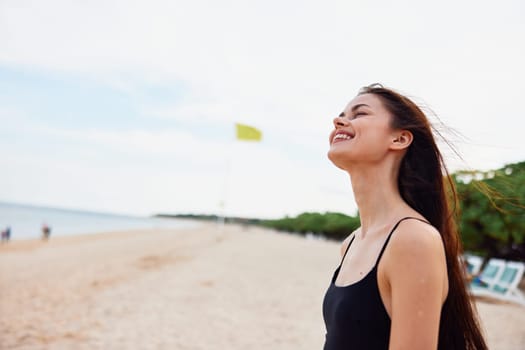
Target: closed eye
(357, 115)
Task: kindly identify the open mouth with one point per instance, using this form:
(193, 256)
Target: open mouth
(342, 136)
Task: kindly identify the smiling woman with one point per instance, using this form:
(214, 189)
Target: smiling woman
(399, 284)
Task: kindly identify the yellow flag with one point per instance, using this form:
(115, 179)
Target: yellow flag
(248, 133)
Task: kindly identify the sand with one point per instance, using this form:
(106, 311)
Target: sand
(199, 288)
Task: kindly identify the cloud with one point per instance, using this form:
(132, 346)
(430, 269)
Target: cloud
(166, 170)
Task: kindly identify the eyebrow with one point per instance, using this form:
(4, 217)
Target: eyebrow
(354, 108)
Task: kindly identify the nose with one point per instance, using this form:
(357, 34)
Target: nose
(340, 122)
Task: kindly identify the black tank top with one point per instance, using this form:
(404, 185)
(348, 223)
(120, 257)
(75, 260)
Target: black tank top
(354, 315)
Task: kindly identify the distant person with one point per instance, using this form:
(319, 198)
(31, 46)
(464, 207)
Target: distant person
(46, 231)
(6, 234)
(400, 283)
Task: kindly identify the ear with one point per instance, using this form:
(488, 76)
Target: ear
(401, 140)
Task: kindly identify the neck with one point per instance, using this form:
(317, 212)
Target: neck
(377, 196)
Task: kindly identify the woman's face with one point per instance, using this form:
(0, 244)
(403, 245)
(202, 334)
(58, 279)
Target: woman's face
(362, 133)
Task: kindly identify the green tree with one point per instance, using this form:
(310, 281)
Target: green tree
(493, 211)
(331, 225)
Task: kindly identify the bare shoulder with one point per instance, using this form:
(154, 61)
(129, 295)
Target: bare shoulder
(416, 244)
(414, 235)
(346, 242)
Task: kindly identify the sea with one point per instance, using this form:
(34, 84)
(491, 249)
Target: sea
(26, 221)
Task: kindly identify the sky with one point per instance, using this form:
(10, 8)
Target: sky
(129, 106)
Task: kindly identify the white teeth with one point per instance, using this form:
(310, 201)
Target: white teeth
(342, 136)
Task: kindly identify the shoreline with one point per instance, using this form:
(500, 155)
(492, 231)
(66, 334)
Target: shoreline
(176, 224)
(189, 288)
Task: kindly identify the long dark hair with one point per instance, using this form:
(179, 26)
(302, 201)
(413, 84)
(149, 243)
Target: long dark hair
(425, 184)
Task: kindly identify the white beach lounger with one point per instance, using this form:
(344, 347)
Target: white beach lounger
(490, 274)
(505, 286)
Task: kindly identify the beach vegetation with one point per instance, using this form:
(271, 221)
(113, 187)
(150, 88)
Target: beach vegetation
(330, 225)
(491, 219)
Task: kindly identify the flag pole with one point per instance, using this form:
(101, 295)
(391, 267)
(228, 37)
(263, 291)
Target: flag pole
(221, 218)
(242, 133)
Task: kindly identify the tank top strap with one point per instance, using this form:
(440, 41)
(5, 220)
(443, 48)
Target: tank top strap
(392, 231)
(346, 251)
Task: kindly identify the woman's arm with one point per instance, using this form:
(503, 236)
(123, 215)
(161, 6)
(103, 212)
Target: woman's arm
(416, 272)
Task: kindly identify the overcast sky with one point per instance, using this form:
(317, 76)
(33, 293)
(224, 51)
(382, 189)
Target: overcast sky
(129, 106)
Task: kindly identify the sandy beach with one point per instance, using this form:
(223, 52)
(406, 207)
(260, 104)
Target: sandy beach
(198, 288)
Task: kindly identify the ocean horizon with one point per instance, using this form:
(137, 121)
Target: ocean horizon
(26, 221)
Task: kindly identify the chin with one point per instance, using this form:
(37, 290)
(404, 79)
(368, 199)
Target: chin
(339, 159)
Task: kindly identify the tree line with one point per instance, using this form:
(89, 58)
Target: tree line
(491, 214)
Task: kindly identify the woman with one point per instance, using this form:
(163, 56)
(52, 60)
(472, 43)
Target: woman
(400, 284)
